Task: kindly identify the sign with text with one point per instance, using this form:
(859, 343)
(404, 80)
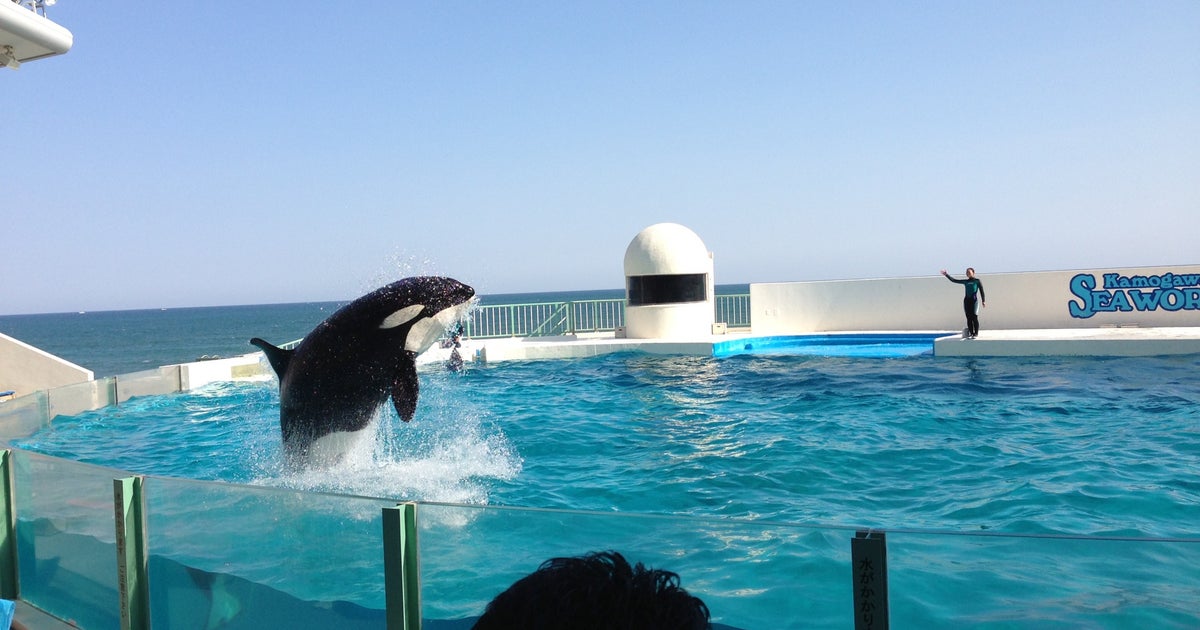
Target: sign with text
(1117, 293)
(868, 554)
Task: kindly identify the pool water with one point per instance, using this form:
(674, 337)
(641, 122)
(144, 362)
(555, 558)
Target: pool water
(1085, 446)
(1082, 446)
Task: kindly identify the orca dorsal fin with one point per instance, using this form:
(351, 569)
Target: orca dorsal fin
(280, 359)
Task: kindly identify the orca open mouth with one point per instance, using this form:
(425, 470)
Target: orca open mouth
(427, 331)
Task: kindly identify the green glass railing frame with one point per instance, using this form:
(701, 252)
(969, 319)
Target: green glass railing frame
(188, 531)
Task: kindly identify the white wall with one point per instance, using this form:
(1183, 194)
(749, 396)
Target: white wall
(690, 320)
(26, 369)
(685, 320)
(1014, 301)
(200, 373)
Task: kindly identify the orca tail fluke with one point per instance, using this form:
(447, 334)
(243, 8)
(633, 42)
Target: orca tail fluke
(279, 358)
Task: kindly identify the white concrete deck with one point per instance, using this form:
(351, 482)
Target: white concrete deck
(572, 347)
(1110, 342)
(995, 343)
(1096, 342)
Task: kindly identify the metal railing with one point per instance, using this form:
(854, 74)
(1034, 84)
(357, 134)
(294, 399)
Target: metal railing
(549, 319)
(37, 6)
(733, 310)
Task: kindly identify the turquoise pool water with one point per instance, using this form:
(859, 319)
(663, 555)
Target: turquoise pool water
(1107, 447)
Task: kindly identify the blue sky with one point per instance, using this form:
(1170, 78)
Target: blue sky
(209, 153)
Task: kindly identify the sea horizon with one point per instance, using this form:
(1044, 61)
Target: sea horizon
(112, 342)
(519, 297)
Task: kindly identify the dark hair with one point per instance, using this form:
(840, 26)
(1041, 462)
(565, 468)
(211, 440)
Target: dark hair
(597, 591)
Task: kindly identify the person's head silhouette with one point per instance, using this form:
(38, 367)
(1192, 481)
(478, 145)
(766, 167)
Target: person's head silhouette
(597, 591)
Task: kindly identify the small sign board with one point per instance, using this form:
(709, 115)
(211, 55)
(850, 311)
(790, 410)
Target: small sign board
(868, 555)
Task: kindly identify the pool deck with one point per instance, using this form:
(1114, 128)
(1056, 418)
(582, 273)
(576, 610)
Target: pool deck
(1093, 342)
(586, 345)
(990, 343)
(1081, 342)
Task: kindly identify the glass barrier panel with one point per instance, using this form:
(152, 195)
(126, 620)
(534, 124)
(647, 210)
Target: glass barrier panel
(65, 538)
(163, 380)
(257, 557)
(750, 574)
(72, 400)
(973, 581)
(24, 416)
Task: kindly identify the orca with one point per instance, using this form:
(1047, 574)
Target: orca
(333, 383)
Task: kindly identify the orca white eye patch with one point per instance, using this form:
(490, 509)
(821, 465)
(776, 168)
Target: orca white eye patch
(402, 316)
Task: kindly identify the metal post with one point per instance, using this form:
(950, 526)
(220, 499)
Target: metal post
(10, 585)
(132, 585)
(868, 557)
(401, 567)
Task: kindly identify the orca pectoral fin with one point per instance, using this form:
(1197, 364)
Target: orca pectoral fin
(280, 359)
(405, 389)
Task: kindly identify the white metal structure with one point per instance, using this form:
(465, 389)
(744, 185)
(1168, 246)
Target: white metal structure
(669, 284)
(27, 34)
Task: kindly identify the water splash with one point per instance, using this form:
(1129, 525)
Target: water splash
(448, 453)
(402, 265)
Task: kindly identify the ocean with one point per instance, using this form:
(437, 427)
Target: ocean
(119, 342)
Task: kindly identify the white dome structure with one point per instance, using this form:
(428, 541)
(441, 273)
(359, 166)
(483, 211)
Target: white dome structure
(668, 284)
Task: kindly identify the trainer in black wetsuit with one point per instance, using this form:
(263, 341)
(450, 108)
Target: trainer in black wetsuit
(974, 291)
